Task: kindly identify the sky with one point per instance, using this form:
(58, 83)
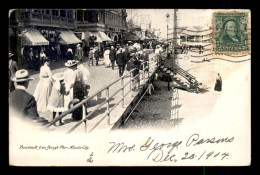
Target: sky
(186, 17)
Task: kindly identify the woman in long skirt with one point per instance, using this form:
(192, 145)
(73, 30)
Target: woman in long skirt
(218, 85)
(43, 88)
(56, 100)
(107, 61)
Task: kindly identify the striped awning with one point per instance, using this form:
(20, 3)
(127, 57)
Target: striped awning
(104, 37)
(68, 37)
(32, 37)
(101, 36)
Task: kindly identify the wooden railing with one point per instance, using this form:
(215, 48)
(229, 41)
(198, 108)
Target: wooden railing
(134, 80)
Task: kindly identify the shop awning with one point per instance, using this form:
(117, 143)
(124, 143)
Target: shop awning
(32, 37)
(104, 37)
(68, 37)
(101, 36)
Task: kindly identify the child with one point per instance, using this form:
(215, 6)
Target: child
(56, 100)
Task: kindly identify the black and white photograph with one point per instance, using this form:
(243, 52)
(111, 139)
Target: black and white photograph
(129, 87)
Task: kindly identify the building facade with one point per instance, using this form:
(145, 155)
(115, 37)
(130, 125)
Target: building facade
(35, 28)
(107, 25)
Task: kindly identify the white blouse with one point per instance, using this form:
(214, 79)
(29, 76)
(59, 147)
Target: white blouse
(45, 72)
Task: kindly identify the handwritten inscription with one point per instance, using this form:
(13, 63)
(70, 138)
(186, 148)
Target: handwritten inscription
(157, 151)
(120, 147)
(195, 140)
(168, 152)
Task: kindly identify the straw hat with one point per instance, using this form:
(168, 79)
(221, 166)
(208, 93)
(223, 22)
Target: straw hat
(71, 63)
(58, 76)
(21, 75)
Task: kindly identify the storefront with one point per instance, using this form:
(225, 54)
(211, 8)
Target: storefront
(96, 38)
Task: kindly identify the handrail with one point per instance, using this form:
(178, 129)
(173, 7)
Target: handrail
(81, 104)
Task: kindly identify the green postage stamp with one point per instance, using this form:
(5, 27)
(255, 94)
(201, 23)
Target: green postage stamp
(231, 33)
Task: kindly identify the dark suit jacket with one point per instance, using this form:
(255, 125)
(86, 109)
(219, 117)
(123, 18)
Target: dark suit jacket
(228, 40)
(121, 59)
(112, 55)
(127, 55)
(23, 103)
(96, 54)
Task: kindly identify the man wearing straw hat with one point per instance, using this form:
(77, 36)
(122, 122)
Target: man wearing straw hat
(21, 101)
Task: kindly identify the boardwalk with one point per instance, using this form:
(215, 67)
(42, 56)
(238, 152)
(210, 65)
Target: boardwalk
(101, 77)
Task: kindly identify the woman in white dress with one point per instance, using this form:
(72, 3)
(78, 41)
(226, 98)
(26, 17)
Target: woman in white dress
(43, 88)
(69, 80)
(107, 61)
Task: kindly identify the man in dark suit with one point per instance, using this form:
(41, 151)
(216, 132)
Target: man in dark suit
(22, 103)
(127, 54)
(112, 56)
(96, 55)
(121, 61)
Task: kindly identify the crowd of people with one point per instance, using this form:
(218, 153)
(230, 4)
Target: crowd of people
(56, 93)
(35, 55)
(59, 92)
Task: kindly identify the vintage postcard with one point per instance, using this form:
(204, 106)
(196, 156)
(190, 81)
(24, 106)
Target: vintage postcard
(129, 87)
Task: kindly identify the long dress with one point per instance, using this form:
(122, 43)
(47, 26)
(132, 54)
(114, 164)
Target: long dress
(43, 88)
(106, 58)
(218, 85)
(56, 100)
(78, 93)
(69, 80)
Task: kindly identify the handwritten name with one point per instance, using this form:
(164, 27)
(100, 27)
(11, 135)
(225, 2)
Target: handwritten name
(157, 150)
(162, 152)
(194, 140)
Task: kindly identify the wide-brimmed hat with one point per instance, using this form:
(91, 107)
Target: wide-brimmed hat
(58, 76)
(21, 75)
(71, 63)
(10, 54)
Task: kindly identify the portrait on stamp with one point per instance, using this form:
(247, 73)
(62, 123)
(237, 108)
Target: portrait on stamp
(231, 32)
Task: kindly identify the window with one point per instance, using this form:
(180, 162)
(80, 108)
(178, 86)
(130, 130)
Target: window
(85, 15)
(80, 15)
(55, 12)
(63, 13)
(70, 14)
(47, 12)
(37, 10)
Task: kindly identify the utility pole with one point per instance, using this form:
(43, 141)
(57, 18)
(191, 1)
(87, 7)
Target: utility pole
(175, 26)
(167, 20)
